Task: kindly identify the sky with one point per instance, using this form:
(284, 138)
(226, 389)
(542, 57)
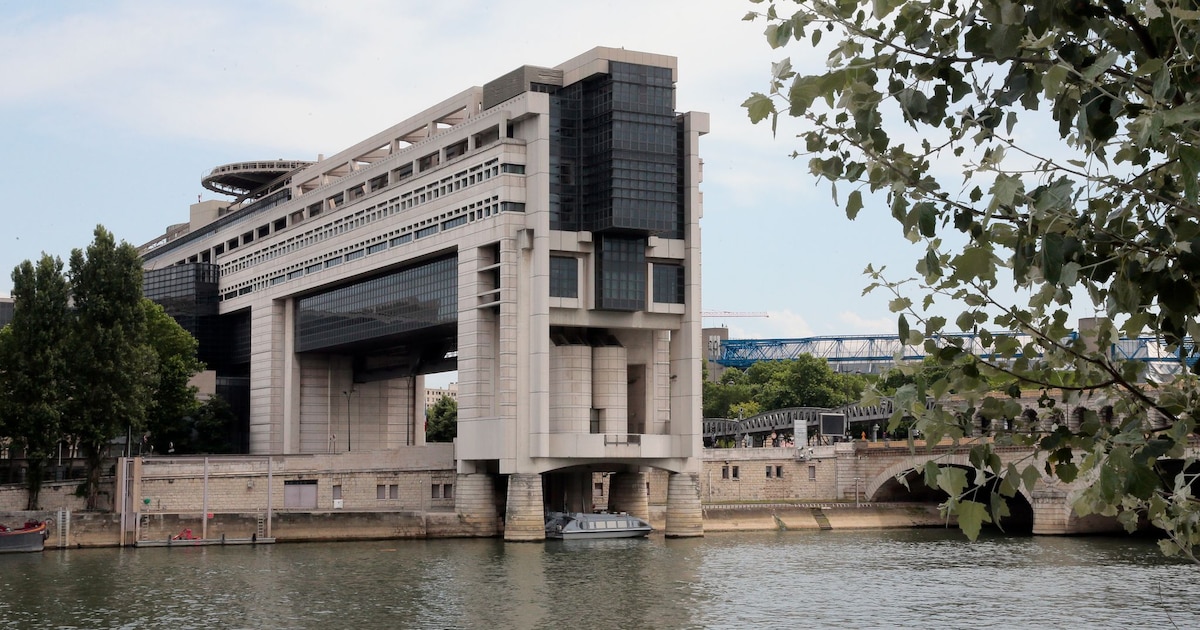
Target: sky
(114, 110)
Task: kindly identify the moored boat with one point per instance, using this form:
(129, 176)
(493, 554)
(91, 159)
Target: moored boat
(583, 525)
(31, 537)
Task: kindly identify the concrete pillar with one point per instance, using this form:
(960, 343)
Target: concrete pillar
(524, 517)
(684, 517)
(627, 493)
(475, 502)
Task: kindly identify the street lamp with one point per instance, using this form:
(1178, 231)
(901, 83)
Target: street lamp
(348, 393)
(876, 429)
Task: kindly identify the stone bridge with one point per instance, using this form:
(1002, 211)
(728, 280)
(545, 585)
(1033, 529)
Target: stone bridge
(872, 471)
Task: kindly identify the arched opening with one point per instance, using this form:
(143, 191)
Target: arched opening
(1018, 521)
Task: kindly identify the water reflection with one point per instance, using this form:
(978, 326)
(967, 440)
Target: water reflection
(919, 578)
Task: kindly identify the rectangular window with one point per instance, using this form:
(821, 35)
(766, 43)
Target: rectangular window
(427, 231)
(735, 473)
(724, 472)
(769, 470)
(394, 491)
(594, 422)
(779, 472)
(400, 240)
(381, 492)
(598, 489)
(448, 491)
(812, 473)
(377, 247)
(435, 492)
(337, 492)
(668, 283)
(355, 255)
(455, 222)
(564, 276)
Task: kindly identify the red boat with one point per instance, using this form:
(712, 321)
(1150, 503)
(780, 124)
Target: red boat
(31, 537)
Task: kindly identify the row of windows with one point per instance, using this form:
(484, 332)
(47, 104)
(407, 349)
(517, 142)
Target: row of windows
(772, 472)
(461, 216)
(405, 201)
(668, 280)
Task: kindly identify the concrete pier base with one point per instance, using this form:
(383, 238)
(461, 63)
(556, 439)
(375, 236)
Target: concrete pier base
(684, 516)
(524, 518)
(627, 493)
(475, 502)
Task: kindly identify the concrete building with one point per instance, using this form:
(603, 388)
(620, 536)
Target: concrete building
(434, 394)
(6, 310)
(539, 234)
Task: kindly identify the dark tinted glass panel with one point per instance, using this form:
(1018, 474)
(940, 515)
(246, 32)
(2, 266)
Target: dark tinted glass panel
(6, 313)
(621, 274)
(564, 277)
(411, 299)
(668, 283)
(188, 293)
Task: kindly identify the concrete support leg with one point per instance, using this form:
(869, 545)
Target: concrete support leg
(684, 518)
(475, 503)
(524, 518)
(627, 493)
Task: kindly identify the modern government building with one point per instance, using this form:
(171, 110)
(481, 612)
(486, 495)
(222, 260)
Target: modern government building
(539, 234)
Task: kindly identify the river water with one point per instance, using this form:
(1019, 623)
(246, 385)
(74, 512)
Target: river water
(876, 579)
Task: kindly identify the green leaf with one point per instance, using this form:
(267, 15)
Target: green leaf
(1052, 256)
(952, 480)
(902, 327)
(1029, 477)
(971, 517)
(854, 203)
(759, 106)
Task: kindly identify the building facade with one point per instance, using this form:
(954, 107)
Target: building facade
(539, 234)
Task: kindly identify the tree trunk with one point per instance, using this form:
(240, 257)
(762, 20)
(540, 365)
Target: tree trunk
(33, 481)
(92, 483)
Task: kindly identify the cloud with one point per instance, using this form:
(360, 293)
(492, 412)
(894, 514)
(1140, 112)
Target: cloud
(855, 324)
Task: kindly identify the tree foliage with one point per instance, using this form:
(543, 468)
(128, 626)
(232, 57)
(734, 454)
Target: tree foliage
(33, 363)
(1046, 154)
(441, 420)
(802, 382)
(112, 374)
(170, 415)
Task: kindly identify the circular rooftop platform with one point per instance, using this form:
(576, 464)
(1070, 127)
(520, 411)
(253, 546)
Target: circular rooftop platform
(241, 178)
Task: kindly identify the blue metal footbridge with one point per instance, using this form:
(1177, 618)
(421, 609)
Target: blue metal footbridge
(877, 353)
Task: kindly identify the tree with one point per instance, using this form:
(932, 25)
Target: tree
(1074, 126)
(112, 368)
(802, 382)
(33, 367)
(169, 418)
(441, 420)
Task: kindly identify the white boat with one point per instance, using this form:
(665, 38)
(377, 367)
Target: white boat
(582, 525)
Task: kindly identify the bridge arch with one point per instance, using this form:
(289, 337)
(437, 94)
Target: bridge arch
(916, 463)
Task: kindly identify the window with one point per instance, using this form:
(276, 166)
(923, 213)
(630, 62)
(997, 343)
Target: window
(724, 472)
(594, 422)
(668, 283)
(394, 491)
(779, 472)
(564, 276)
(447, 491)
(337, 492)
(598, 489)
(381, 492)
(769, 471)
(435, 492)
(812, 473)
(735, 473)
